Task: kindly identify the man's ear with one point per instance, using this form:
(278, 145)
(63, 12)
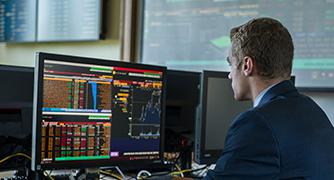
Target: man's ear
(248, 66)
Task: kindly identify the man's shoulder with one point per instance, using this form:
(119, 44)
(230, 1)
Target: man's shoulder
(286, 103)
(277, 108)
(250, 117)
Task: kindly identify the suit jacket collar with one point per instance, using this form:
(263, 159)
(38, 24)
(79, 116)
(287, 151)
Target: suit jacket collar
(279, 89)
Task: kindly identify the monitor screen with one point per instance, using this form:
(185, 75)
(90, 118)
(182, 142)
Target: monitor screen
(181, 102)
(216, 111)
(92, 113)
(194, 34)
(16, 96)
(75, 20)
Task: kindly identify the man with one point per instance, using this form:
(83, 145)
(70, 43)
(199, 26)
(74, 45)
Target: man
(285, 135)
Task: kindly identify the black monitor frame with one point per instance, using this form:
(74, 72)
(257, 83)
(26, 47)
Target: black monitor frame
(203, 155)
(37, 114)
(16, 101)
(181, 102)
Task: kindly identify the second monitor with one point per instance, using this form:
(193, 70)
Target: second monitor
(216, 111)
(181, 101)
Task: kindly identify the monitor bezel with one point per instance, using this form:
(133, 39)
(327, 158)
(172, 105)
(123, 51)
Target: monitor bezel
(172, 102)
(20, 70)
(15, 102)
(204, 156)
(37, 115)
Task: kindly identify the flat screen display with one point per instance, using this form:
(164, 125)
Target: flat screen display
(194, 34)
(92, 113)
(217, 110)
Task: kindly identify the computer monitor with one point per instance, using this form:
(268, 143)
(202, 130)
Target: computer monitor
(181, 102)
(96, 113)
(16, 97)
(216, 111)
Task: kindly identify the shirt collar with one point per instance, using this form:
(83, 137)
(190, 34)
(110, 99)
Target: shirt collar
(260, 96)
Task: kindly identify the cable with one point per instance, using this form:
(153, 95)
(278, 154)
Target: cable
(180, 172)
(159, 174)
(48, 175)
(13, 155)
(186, 170)
(139, 175)
(179, 169)
(173, 173)
(111, 174)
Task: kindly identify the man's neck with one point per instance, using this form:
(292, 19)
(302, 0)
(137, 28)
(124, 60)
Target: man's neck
(258, 85)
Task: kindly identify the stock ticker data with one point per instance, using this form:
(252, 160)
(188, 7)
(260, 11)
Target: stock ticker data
(194, 34)
(92, 112)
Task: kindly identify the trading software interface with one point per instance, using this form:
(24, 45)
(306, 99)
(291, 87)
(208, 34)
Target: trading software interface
(92, 112)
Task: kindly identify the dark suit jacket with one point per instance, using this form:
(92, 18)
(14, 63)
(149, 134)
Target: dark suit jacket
(287, 136)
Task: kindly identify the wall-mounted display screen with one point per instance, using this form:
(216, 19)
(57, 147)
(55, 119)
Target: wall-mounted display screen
(49, 20)
(194, 35)
(68, 20)
(18, 20)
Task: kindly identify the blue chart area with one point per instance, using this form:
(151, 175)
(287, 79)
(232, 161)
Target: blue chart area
(94, 92)
(146, 114)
